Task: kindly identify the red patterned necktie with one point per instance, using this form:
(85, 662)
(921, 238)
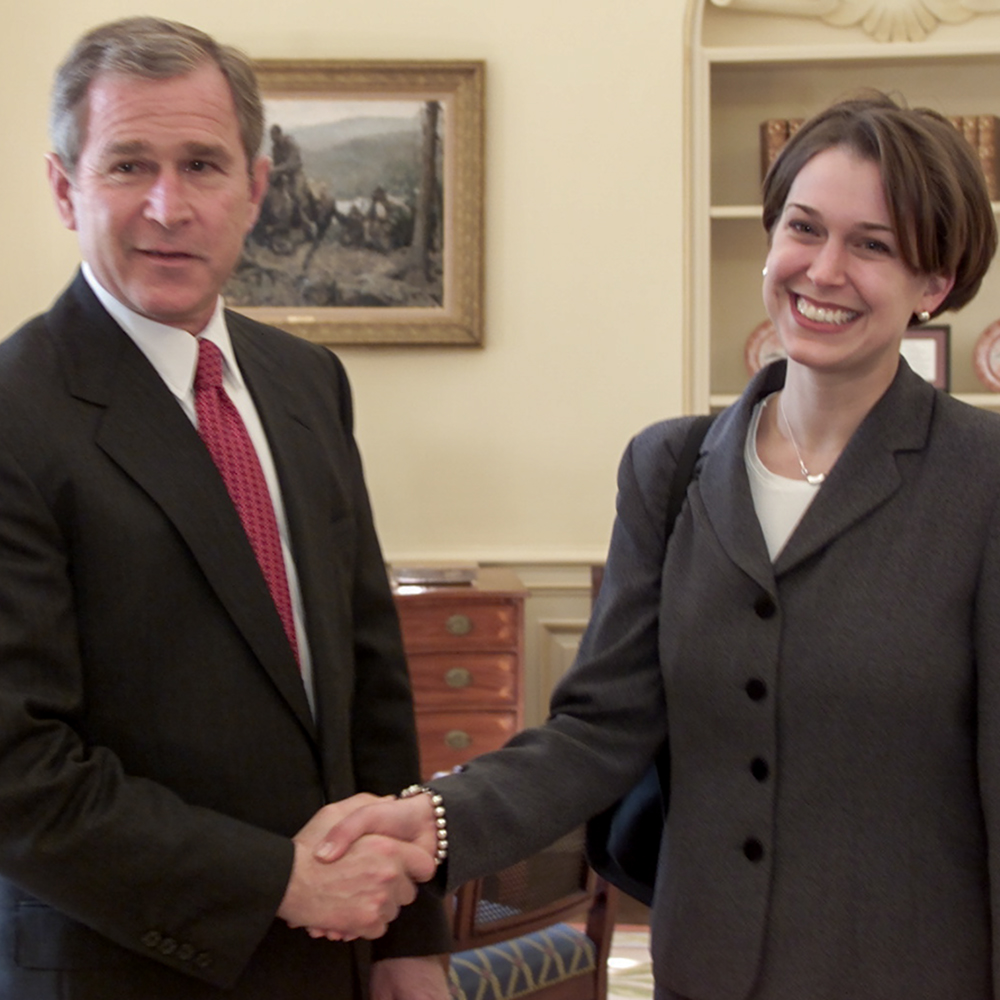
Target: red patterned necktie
(229, 444)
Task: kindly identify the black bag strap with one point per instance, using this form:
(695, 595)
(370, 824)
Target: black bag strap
(684, 469)
(683, 473)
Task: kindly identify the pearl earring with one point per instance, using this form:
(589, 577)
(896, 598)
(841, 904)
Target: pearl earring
(923, 315)
(764, 272)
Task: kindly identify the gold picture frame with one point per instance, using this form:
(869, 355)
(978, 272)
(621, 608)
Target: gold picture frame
(329, 258)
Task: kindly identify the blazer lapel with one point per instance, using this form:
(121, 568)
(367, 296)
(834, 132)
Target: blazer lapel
(724, 487)
(148, 435)
(865, 477)
(867, 473)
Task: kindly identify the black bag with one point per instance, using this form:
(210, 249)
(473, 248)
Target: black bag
(623, 842)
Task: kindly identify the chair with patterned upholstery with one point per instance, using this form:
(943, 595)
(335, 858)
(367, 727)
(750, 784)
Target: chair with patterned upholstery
(540, 929)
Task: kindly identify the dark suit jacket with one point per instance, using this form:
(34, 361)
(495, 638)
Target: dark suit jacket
(833, 718)
(156, 746)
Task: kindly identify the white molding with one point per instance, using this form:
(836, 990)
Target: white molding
(556, 612)
(500, 557)
(833, 52)
(883, 20)
(557, 642)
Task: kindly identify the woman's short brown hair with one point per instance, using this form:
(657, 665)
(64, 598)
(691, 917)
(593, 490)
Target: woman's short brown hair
(933, 183)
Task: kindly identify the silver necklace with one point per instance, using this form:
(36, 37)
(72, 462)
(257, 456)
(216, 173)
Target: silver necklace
(812, 478)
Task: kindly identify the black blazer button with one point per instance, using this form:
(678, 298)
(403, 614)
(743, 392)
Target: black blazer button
(765, 607)
(168, 946)
(186, 952)
(756, 689)
(152, 939)
(753, 849)
(203, 960)
(759, 768)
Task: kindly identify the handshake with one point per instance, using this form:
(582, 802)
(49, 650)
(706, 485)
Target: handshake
(357, 863)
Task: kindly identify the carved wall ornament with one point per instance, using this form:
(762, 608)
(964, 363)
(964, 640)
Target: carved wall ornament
(883, 20)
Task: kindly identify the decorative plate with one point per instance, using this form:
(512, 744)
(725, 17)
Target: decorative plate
(762, 347)
(986, 357)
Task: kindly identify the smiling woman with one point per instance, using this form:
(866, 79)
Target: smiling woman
(855, 260)
(837, 287)
(816, 644)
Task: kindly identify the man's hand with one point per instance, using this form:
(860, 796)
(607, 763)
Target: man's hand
(411, 820)
(409, 979)
(330, 815)
(360, 893)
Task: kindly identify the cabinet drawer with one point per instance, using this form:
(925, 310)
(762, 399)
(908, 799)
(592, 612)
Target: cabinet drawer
(448, 739)
(459, 681)
(459, 625)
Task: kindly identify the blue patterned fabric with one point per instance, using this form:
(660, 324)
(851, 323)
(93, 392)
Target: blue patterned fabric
(515, 968)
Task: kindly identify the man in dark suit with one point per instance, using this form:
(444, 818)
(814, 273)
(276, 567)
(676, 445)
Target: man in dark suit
(179, 702)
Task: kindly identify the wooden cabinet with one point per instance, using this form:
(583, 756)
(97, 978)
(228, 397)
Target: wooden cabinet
(464, 644)
(748, 67)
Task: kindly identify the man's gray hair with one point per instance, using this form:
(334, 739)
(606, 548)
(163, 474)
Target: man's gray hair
(154, 49)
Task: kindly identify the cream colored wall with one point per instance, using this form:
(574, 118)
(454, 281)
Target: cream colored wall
(505, 453)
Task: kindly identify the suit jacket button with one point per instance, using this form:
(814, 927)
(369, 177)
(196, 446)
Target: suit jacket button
(203, 960)
(168, 946)
(753, 849)
(756, 689)
(765, 607)
(152, 939)
(186, 952)
(759, 768)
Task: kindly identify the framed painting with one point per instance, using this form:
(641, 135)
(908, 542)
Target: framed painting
(371, 231)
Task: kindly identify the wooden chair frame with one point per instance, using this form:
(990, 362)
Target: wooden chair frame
(594, 907)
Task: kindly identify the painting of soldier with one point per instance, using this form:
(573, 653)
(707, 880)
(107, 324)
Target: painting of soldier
(353, 213)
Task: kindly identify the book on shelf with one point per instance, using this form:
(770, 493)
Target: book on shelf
(982, 133)
(774, 133)
(987, 136)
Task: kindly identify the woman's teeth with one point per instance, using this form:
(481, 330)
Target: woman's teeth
(821, 315)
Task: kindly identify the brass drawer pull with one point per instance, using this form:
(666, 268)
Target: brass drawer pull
(458, 677)
(458, 625)
(458, 739)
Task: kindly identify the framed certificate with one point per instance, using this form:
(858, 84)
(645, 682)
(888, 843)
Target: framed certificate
(926, 351)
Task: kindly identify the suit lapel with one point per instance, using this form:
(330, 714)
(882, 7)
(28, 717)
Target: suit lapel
(148, 435)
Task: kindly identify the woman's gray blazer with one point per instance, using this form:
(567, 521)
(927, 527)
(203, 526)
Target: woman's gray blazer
(833, 717)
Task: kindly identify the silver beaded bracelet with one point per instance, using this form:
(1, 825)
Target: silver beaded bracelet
(440, 823)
